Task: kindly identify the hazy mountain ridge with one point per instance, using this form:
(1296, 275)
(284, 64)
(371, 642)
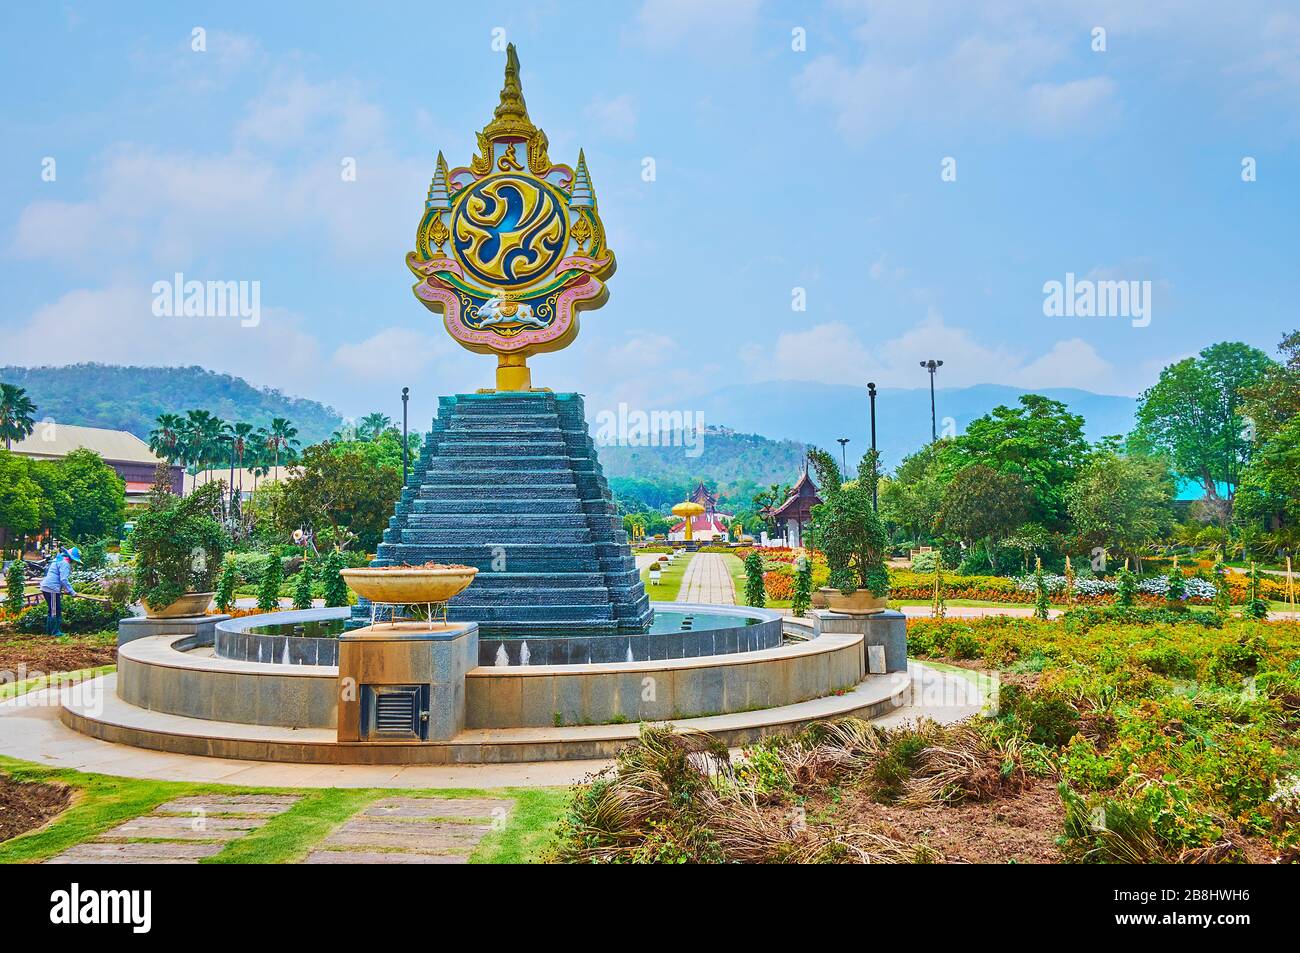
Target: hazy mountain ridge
(131, 398)
(754, 431)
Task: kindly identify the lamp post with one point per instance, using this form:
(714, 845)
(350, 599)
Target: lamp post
(844, 460)
(406, 396)
(932, 366)
(875, 476)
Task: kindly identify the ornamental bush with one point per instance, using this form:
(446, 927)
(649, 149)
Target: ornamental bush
(179, 544)
(845, 527)
(15, 581)
(302, 588)
(226, 585)
(268, 592)
(336, 590)
(755, 594)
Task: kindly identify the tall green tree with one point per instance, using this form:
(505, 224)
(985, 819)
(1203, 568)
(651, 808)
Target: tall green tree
(1039, 442)
(17, 414)
(910, 499)
(342, 491)
(983, 504)
(1269, 492)
(96, 505)
(1121, 503)
(1195, 414)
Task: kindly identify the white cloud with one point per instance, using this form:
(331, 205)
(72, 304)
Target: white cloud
(1070, 106)
(392, 353)
(615, 118)
(116, 325)
(836, 353)
(974, 67)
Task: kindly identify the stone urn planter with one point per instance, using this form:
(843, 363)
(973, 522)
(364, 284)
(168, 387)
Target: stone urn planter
(862, 602)
(190, 604)
(409, 585)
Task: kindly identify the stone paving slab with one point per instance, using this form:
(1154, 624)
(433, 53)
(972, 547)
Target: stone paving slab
(183, 828)
(408, 830)
(182, 831)
(127, 853)
(431, 808)
(258, 804)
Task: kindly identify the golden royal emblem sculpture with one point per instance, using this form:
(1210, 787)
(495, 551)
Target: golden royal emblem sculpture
(511, 247)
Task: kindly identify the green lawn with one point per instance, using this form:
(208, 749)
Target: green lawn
(670, 582)
(14, 689)
(102, 802)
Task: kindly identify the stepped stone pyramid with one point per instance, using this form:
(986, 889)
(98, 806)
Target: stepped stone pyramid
(510, 483)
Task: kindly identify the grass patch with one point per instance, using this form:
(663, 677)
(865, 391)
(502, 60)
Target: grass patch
(102, 802)
(288, 837)
(528, 835)
(14, 689)
(670, 581)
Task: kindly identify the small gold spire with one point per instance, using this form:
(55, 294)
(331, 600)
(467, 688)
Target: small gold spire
(511, 115)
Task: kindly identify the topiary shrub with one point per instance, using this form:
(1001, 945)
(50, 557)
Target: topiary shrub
(15, 581)
(268, 590)
(802, 599)
(755, 593)
(336, 590)
(226, 585)
(179, 545)
(845, 527)
(302, 588)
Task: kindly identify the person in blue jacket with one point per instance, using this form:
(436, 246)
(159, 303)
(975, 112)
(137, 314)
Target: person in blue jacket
(57, 581)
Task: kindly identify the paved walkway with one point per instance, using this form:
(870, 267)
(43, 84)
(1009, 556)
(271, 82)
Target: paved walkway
(182, 831)
(707, 580)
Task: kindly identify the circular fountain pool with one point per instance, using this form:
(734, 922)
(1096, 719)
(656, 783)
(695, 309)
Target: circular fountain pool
(310, 637)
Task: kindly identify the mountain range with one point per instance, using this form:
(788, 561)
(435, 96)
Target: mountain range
(754, 431)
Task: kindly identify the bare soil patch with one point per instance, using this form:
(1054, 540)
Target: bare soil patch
(40, 653)
(1019, 828)
(24, 807)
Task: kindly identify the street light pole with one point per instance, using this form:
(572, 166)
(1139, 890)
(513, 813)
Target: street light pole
(406, 396)
(932, 366)
(844, 460)
(871, 392)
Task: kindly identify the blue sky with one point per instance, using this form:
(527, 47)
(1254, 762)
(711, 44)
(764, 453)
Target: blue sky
(776, 169)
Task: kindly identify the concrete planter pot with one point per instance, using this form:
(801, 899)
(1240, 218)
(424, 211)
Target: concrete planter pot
(862, 602)
(190, 604)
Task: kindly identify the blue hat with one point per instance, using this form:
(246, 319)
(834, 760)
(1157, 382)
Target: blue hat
(74, 554)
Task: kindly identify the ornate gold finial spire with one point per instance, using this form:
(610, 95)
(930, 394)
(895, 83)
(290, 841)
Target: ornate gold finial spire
(511, 115)
(439, 198)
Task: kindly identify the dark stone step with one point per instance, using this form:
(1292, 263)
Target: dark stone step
(489, 507)
(543, 594)
(493, 489)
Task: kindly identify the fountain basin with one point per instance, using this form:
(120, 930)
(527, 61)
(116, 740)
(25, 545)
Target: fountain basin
(679, 631)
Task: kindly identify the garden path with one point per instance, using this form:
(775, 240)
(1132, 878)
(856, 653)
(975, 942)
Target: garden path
(707, 581)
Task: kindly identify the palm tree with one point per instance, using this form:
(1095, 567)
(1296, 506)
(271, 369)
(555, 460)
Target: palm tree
(166, 438)
(17, 414)
(241, 434)
(257, 454)
(372, 425)
(282, 441)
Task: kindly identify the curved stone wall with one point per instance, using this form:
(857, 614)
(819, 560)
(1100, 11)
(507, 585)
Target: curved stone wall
(163, 674)
(234, 638)
(559, 695)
